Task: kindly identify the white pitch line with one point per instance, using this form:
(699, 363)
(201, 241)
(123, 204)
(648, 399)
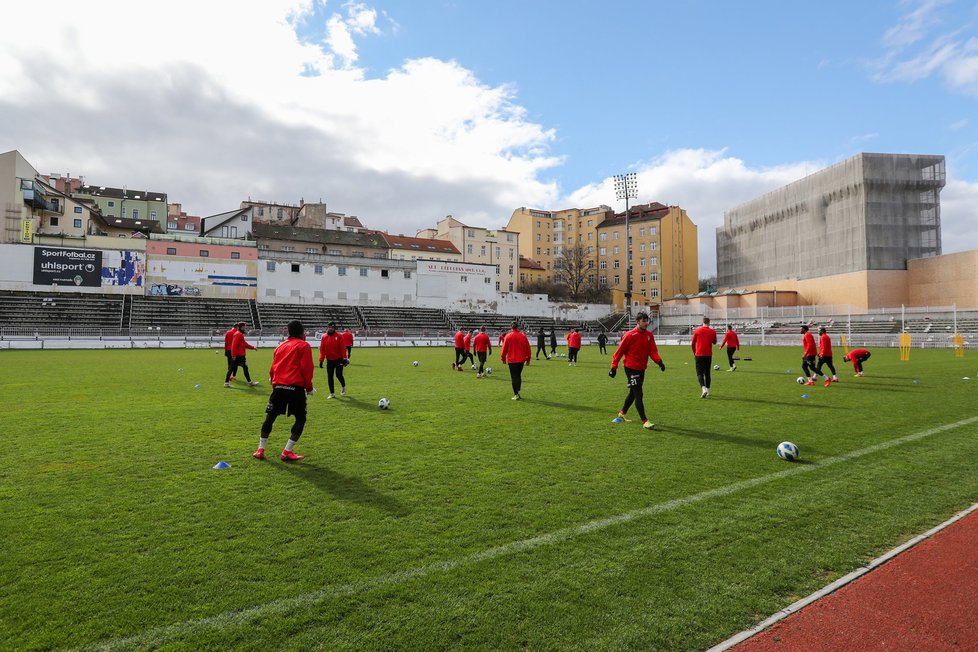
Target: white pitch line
(836, 585)
(160, 635)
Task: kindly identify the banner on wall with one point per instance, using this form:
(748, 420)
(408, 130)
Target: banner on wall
(80, 267)
(27, 232)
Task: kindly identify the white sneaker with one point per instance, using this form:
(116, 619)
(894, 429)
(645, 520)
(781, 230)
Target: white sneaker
(331, 396)
(227, 384)
(253, 383)
(517, 398)
(704, 393)
(342, 391)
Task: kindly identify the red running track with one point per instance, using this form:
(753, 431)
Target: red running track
(925, 598)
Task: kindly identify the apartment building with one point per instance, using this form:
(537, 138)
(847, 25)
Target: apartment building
(499, 247)
(545, 235)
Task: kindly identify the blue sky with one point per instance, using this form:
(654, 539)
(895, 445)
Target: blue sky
(401, 112)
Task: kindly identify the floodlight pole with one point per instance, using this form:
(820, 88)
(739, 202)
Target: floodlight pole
(626, 187)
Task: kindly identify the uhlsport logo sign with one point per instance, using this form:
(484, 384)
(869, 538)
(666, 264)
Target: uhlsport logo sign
(81, 267)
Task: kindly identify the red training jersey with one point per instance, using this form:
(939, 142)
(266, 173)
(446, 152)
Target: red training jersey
(731, 341)
(808, 344)
(502, 338)
(459, 340)
(636, 347)
(825, 345)
(228, 337)
(331, 347)
(704, 338)
(292, 364)
(482, 343)
(238, 345)
(347, 338)
(516, 348)
(467, 342)
(574, 340)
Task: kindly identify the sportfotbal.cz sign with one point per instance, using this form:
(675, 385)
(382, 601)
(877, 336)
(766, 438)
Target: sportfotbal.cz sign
(81, 267)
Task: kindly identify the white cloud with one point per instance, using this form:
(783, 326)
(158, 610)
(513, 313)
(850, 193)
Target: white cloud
(959, 215)
(212, 104)
(958, 124)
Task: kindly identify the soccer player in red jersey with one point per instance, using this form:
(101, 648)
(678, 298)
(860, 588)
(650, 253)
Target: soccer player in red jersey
(467, 346)
(858, 357)
(732, 342)
(347, 342)
(483, 348)
(825, 356)
(573, 346)
(239, 349)
(228, 336)
(635, 349)
(459, 350)
(808, 355)
(516, 354)
(331, 349)
(704, 338)
(291, 376)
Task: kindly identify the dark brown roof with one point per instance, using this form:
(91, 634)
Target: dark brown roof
(529, 263)
(121, 193)
(406, 243)
(639, 213)
(320, 236)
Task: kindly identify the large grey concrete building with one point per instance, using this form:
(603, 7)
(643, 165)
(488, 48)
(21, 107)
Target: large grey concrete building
(869, 212)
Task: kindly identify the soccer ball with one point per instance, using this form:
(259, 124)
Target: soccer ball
(474, 367)
(800, 380)
(788, 451)
(488, 370)
(384, 404)
(716, 367)
(415, 363)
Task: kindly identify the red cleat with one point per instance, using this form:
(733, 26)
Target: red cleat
(810, 382)
(828, 382)
(259, 454)
(289, 456)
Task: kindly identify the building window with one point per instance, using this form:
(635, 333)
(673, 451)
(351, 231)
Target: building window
(511, 255)
(311, 250)
(111, 203)
(468, 249)
(509, 237)
(188, 227)
(335, 252)
(295, 268)
(603, 237)
(603, 264)
(641, 262)
(173, 226)
(487, 280)
(654, 292)
(641, 247)
(510, 270)
(77, 224)
(616, 279)
(135, 213)
(384, 274)
(497, 252)
(641, 279)
(463, 279)
(122, 212)
(261, 212)
(280, 213)
(317, 269)
(363, 271)
(511, 286)
(538, 237)
(615, 250)
(652, 230)
(614, 235)
(78, 209)
(288, 248)
(590, 264)
(538, 251)
(407, 274)
(653, 261)
(641, 231)
(204, 253)
(171, 251)
(244, 218)
(590, 222)
(270, 266)
(483, 250)
(235, 255)
(652, 246)
(590, 236)
(616, 264)
(229, 231)
(654, 276)
(603, 280)
(341, 271)
(602, 251)
(263, 247)
(471, 233)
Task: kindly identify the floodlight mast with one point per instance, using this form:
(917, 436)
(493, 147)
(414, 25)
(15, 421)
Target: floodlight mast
(626, 187)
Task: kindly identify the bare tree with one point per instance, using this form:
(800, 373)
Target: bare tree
(571, 270)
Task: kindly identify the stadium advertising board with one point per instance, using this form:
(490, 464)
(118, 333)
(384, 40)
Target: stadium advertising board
(80, 267)
(452, 267)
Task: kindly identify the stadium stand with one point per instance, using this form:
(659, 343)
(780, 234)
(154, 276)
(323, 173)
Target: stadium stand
(275, 316)
(534, 324)
(474, 321)
(410, 321)
(47, 311)
(187, 314)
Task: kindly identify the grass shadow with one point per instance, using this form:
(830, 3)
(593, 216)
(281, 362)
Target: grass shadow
(344, 487)
(570, 406)
(767, 443)
(766, 402)
(355, 403)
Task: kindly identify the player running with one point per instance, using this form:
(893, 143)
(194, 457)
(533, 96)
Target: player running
(732, 342)
(825, 356)
(483, 348)
(239, 349)
(636, 347)
(808, 354)
(291, 376)
(331, 349)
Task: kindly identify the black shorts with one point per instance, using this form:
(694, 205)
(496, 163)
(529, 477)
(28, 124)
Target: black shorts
(287, 400)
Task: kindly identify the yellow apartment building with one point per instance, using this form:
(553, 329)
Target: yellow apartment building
(544, 235)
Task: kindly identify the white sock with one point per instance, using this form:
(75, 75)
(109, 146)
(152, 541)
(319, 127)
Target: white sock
(289, 444)
(262, 442)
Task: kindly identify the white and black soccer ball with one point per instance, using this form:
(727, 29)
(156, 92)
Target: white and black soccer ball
(474, 367)
(800, 380)
(788, 451)
(488, 370)
(384, 404)
(716, 367)
(415, 363)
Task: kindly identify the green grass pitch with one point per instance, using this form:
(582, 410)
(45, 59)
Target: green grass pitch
(458, 519)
